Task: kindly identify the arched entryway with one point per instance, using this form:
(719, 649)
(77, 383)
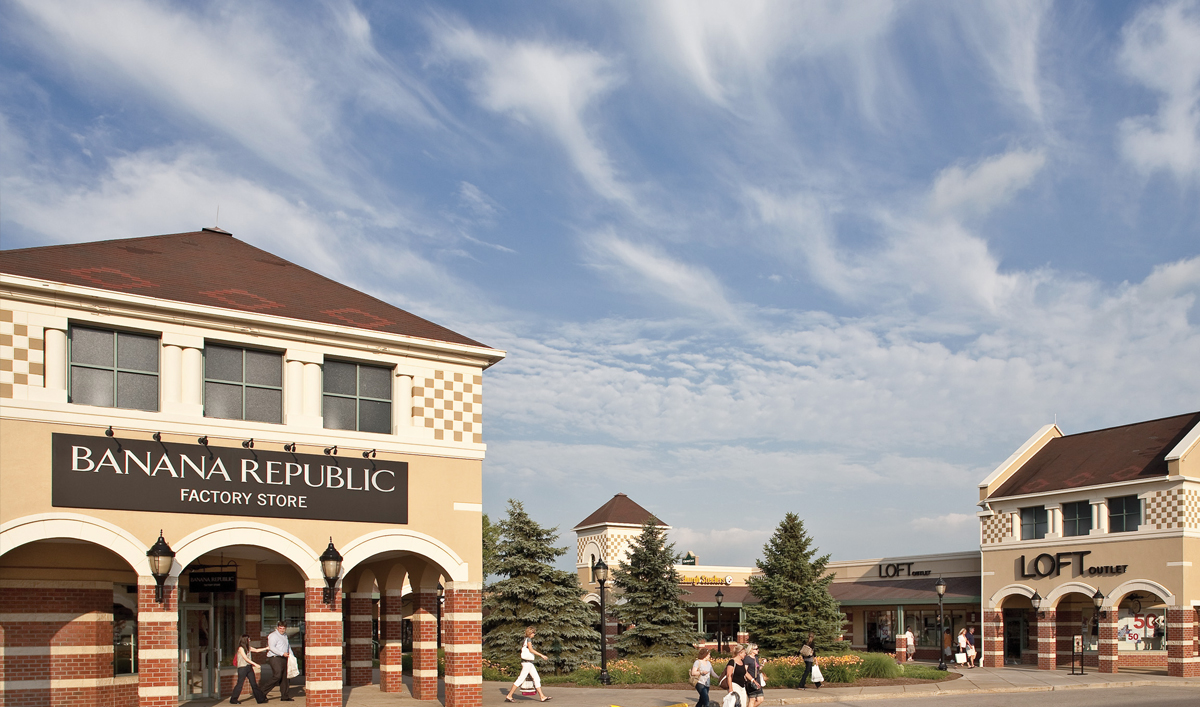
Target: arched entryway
(1010, 628)
(1069, 614)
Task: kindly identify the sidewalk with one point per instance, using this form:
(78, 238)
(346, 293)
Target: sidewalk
(973, 682)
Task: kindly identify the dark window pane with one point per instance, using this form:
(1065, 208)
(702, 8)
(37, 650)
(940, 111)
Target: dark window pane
(137, 391)
(92, 347)
(138, 353)
(264, 368)
(375, 382)
(375, 417)
(223, 401)
(264, 405)
(222, 363)
(339, 378)
(339, 413)
(91, 387)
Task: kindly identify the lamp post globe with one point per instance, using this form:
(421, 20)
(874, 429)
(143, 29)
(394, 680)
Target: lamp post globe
(940, 588)
(161, 558)
(720, 634)
(331, 569)
(600, 572)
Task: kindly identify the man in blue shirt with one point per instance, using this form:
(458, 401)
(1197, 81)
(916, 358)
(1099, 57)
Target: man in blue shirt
(278, 650)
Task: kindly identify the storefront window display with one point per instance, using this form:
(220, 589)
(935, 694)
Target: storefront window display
(1144, 630)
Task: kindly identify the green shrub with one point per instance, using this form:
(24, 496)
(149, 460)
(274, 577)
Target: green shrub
(663, 671)
(924, 672)
(584, 676)
(878, 665)
(624, 672)
(782, 674)
(838, 673)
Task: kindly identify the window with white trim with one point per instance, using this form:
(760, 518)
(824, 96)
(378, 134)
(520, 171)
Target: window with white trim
(113, 368)
(1124, 514)
(1034, 523)
(357, 397)
(243, 384)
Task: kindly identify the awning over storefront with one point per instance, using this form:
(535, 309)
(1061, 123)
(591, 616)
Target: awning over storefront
(959, 590)
(707, 595)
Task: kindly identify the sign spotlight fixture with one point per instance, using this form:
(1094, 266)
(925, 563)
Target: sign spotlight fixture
(157, 436)
(369, 455)
(290, 447)
(331, 451)
(248, 444)
(109, 431)
(202, 440)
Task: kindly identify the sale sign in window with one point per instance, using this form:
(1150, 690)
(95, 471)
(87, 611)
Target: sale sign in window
(1145, 630)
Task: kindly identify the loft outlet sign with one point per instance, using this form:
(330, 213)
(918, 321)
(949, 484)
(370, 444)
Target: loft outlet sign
(143, 475)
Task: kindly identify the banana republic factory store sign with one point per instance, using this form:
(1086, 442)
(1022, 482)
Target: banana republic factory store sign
(142, 475)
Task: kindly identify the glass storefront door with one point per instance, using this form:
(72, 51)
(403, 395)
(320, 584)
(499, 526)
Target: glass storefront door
(198, 669)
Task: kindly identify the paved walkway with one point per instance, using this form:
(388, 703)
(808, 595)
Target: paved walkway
(973, 682)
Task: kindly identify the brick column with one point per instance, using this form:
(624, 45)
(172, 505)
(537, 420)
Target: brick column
(57, 640)
(901, 649)
(1047, 639)
(1068, 626)
(1108, 641)
(424, 652)
(252, 601)
(462, 626)
(158, 645)
(993, 639)
(322, 647)
(392, 647)
(1182, 661)
(360, 638)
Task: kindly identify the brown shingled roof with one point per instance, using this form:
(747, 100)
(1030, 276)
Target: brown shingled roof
(958, 589)
(619, 509)
(1124, 453)
(211, 267)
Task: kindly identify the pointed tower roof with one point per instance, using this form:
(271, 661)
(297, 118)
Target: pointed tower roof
(211, 267)
(620, 510)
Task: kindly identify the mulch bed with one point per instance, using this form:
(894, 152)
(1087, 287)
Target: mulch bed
(861, 682)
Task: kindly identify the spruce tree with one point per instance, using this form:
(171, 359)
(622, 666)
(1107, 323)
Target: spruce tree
(532, 592)
(491, 535)
(793, 592)
(651, 599)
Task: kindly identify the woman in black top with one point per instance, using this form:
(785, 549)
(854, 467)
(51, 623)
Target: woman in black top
(735, 673)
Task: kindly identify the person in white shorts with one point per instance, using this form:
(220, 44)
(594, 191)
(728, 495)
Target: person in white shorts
(527, 669)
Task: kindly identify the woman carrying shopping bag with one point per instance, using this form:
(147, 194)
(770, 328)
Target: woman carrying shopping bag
(527, 669)
(701, 676)
(809, 655)
(735, 676)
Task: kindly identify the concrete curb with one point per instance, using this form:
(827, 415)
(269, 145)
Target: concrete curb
(853, 695)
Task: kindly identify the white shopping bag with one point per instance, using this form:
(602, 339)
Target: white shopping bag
(816, 674)
(731, 700)
(293, 669)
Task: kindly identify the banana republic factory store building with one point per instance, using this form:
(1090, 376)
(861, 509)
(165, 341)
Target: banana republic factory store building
(1091, 543)
(199, 439)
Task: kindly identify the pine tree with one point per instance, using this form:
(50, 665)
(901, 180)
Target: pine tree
(491, 535)
(534, 593)
(794, 595)
(650, 599)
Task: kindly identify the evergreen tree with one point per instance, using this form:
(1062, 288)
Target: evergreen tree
(532, 592)
(650, 599)
(794, 595)
(491, 535)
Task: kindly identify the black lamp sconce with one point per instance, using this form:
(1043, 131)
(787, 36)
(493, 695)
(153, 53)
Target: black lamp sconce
(331, 568)
(162, 557)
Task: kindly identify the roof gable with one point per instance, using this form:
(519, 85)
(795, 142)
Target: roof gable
(212, 268)
(1125, 453)
(620, 509)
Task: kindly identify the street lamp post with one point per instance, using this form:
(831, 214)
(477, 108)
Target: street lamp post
(600, 572)
(941, 592)
(720, 632)
(1097, 601)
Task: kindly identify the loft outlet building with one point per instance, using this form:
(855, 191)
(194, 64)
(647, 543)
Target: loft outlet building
(1091, 543)
(192, 394)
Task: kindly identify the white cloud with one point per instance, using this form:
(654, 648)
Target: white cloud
(1162, 51)
(948, 523)
(1007, 35)
(543, 85)
(650, 270)
(988, 184)
(734, 546)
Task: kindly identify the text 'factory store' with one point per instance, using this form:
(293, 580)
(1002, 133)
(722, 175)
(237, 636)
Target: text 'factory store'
(198, 440)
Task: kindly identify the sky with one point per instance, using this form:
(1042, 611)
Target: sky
(838, 259)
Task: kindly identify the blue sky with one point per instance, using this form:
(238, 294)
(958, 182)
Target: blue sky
(746, 258)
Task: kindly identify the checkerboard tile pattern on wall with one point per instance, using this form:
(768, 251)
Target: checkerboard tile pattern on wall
(995, 528)
(451, 404)
(1174, 508)
(22, 361)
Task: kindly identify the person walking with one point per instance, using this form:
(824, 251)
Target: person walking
(911, 640)
(972, 647)
(809, 655)
(245, 671)
(754, 677)
(278, 651)
(527, 668)
(964, 647)
(702, 673)
(948, 647)
(735, 673)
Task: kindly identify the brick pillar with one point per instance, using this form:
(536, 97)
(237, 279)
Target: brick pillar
(57, 640)
(901, 648)
(322, 647)
(993, 639)
(1108, 641)
(360, 638)
(1068, 626)
(1182, 661)
(1047, 639)
(392, 647)
(252, 601)
(158, 645)
(462, 627)
(424, 652)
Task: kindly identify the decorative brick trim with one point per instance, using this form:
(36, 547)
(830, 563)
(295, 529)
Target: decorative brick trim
(463, 643)
(425, 607)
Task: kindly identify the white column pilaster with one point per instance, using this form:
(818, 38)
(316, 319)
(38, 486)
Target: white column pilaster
(304, 394)
(182, 374)
(55, 363)
(401, 403)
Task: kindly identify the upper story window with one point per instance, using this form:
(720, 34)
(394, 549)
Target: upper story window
(1034, 523)
(114, 368)
(1077, 518)
(358, 397)
(1124, 514)
(243, 384)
